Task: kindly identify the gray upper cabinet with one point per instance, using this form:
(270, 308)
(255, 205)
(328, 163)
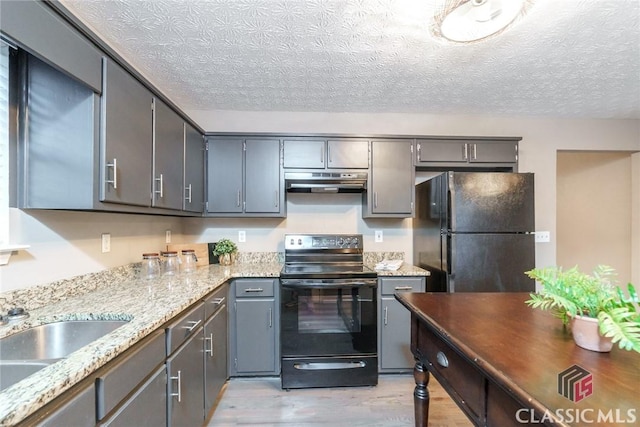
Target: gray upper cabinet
(224, 175)
(40, 31)
(344, 153)
(244, 177)
(305, 153)
(168, 157)
(348, 153)
(127, 138)
(193, 170)
(466, 152)
(263, 190)
(391, 183)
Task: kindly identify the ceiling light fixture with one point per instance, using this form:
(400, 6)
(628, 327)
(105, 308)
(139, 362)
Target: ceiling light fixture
(467, 21)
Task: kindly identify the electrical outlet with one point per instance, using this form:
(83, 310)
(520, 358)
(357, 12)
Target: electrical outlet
(379, 236)
(167, 236)
(543, 236)
(106, 243)
(242, 236)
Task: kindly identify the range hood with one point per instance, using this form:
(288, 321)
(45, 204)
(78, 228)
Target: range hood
(325, 182)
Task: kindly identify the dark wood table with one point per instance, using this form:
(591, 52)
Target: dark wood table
(501, 360)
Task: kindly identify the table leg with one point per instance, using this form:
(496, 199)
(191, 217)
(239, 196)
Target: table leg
(421, 394)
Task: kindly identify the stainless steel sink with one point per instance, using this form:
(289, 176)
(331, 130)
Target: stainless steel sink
(26, 352)
(54, 340)
(13, 371)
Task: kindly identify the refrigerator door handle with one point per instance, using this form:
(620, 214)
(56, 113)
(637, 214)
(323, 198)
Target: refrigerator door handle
(451, 255)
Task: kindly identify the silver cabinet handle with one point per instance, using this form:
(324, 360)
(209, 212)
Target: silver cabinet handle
(209, 350)
(270, 318)
(322, 154)
(238, 199)
(329, 150)
(160, 192)
(178, 378)
(375, 199)
(466, 152)
(188, 198)
(218, 301)
(254, 290)
(386, 315)
(475, 151)
(276, 198)
(114, 181)
(403, 288)
(193, 324)
(442, 359)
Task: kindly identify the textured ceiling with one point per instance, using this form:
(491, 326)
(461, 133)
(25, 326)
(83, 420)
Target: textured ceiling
(565, 58)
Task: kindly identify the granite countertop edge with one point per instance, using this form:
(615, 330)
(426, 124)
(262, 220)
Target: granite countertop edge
(146, 305)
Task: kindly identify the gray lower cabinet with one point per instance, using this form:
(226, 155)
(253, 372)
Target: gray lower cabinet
(215, 346)
(444, 152)
(244, 177)
(168, 157)
(78, 410)
(127, 137)
(394, 326)
(391, 184)
(254, 325)
(185, 369)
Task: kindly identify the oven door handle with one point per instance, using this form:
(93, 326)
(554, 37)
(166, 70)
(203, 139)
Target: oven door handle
(330, 285)
(317, 284)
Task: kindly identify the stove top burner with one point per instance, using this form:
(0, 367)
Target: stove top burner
(326, 270)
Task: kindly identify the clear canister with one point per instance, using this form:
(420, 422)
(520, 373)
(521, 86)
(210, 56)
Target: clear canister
(171, 263)
(150, 267)
(189, 260)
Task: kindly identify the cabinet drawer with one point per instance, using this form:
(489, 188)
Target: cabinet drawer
(455, 374)
(401, 284)
(215, 301)
(127, 373)
(254, 288)
(183, 327)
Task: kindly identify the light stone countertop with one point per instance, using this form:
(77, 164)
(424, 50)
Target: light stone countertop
(147, 305)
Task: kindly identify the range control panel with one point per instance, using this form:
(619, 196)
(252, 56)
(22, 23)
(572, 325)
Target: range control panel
(322, 241)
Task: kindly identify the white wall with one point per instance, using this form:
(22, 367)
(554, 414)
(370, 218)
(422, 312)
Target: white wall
(65, 244)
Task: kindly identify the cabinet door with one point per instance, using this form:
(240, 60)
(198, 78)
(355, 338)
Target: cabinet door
(146, 407)
(80, 410)
(224, 175)
(494, 152)
(348, 154)
(215, 357)
(168, 157)
(395, 336)
(126, 128)
(392, 178)
(305, 153)
(255, 336)
(193, 169)
(185, 391)
(262, 176)
(446, 151)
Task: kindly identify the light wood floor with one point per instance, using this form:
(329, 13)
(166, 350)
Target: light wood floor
(261, 402)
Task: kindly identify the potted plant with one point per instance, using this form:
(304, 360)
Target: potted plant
(225, 250)
(577, 297)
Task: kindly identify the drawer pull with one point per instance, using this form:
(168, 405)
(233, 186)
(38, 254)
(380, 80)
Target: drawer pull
(177, 378)
(209, 350)
(193, 324)
(218, 301)
(403, 288)
(442, 359)
(254, 290)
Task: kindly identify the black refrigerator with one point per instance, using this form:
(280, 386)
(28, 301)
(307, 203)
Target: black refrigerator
(474, 231)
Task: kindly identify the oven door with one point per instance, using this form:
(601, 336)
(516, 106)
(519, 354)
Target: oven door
(330, 317)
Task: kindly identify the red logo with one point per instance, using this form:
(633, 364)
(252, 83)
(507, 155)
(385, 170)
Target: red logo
(575, 383)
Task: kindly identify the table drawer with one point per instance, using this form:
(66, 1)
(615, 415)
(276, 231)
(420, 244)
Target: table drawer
(254, 288)
(455, 373)
(401, 284)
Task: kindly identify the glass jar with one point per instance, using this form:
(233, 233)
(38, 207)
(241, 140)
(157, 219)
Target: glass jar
(150, 267)
(189, 261)
(171, 263)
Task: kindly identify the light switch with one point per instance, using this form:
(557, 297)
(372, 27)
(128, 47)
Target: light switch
(242, 236)
(379, 236)
(106, 243)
